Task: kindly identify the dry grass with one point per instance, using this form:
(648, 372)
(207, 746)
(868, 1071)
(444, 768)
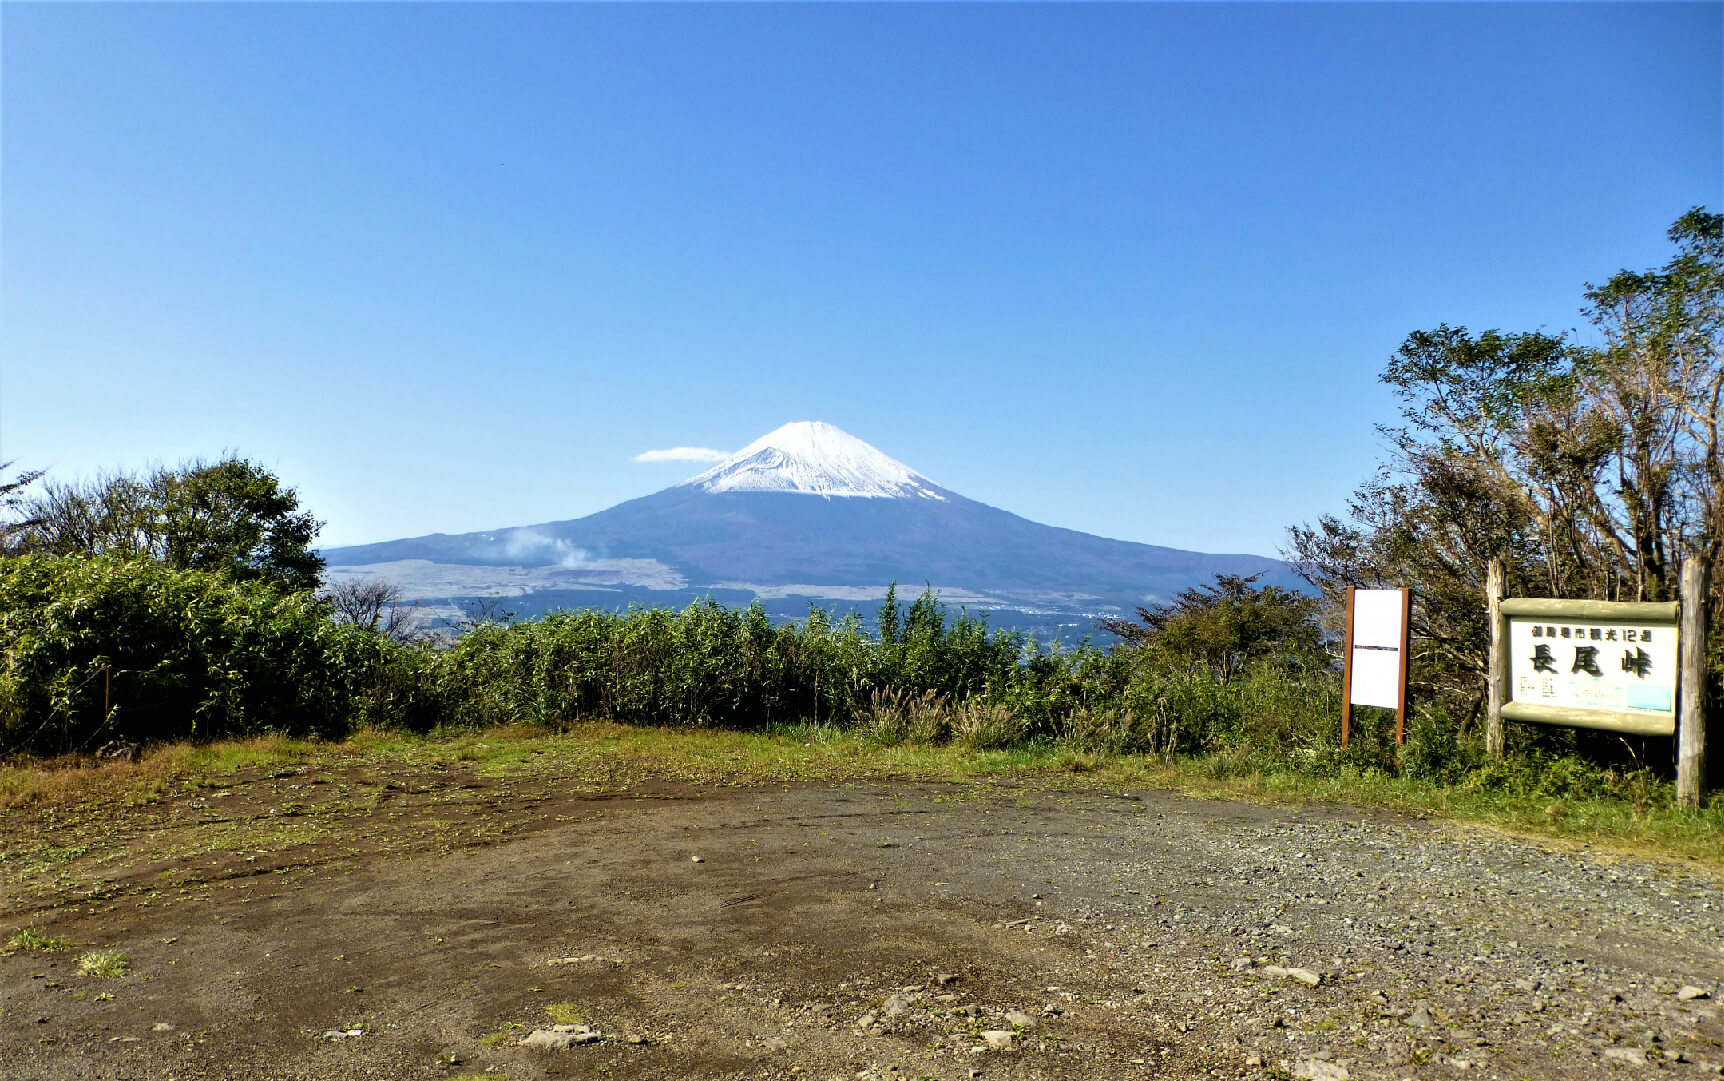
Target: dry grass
(70, 780)
(612, 757)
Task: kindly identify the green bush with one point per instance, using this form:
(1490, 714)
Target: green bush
(94, 649)
(185, 654)
(712, 666)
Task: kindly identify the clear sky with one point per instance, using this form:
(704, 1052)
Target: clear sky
(1129, 269)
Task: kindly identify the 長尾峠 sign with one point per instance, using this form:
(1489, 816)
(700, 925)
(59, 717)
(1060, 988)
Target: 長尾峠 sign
(1593, 664)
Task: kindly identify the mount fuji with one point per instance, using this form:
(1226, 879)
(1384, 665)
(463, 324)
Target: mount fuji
(804, 514)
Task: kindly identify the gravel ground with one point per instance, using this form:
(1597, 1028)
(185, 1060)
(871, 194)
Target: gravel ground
(860, 931)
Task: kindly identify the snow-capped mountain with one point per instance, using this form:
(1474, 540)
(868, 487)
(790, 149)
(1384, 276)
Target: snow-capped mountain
(805, 514)
(815, 458)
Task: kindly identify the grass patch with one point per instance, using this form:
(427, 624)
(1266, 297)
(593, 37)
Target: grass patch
(30, 938)
(565, 1013)
(160, 771)
(607, 757)
(108, 964)
(1616, 825)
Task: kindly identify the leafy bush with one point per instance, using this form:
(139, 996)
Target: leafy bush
(95, 649)
(1436, 751)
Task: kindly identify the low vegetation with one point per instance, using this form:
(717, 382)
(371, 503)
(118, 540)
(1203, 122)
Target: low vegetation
(107, 964)
(1561, 798)
(31, 938)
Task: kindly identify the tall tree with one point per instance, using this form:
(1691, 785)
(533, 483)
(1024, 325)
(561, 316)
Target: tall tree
(1590, 469)
(233, 517)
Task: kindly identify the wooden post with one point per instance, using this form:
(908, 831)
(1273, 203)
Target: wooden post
(1347, 671)
(1691, 695)
(1497, 670)
(1406, 640)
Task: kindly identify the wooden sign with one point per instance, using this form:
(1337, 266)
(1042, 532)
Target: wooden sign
(1374, 667)
(1593, 664)
(1638, 668)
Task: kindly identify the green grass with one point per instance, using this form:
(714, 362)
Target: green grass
(593, 757)
(107, 964)
(1612, 824)
(565, 1013)
(29, 938)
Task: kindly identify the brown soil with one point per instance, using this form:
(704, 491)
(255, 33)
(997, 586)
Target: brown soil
(1136, 931)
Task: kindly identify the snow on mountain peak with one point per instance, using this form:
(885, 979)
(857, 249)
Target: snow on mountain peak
(815, 458)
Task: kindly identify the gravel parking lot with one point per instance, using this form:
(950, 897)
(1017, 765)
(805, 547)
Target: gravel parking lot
(983, 930)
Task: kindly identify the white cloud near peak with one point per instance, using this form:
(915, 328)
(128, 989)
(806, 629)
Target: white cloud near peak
(682, 454)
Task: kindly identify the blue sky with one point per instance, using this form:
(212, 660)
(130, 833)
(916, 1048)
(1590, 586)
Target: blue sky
(1130, 269)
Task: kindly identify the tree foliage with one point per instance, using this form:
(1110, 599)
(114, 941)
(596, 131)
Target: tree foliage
(13, 521)
(230, 517)
(1590, 467)
(1225, 627)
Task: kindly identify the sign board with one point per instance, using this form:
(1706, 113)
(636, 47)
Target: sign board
(1378, 640)
(1593, 664)
(1636, 667)
(1375, 665)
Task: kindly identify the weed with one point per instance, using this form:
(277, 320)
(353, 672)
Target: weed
(108, 964)
(29, 938)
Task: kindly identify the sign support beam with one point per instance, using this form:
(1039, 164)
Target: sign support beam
(1406, 644)
(1691, 696)
(1347, 672)
(1498, 672)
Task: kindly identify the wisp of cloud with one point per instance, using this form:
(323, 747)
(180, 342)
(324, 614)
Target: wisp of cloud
(682, 454)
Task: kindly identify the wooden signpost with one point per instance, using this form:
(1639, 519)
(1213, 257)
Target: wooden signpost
(1374, 666)
(1623, 666)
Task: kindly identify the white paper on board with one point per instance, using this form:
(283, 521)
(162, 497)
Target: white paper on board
(1376, 678)
(1377, 618)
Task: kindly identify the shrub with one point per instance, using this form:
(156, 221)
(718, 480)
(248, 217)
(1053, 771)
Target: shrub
(1113, 730)
(93, 649)
(1436, 751)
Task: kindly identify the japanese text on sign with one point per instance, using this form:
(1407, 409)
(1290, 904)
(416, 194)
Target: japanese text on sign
(1593, 664)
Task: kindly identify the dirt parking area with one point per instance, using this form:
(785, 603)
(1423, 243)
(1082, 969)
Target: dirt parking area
(983, 930)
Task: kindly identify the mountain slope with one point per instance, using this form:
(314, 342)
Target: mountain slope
(810, 511)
